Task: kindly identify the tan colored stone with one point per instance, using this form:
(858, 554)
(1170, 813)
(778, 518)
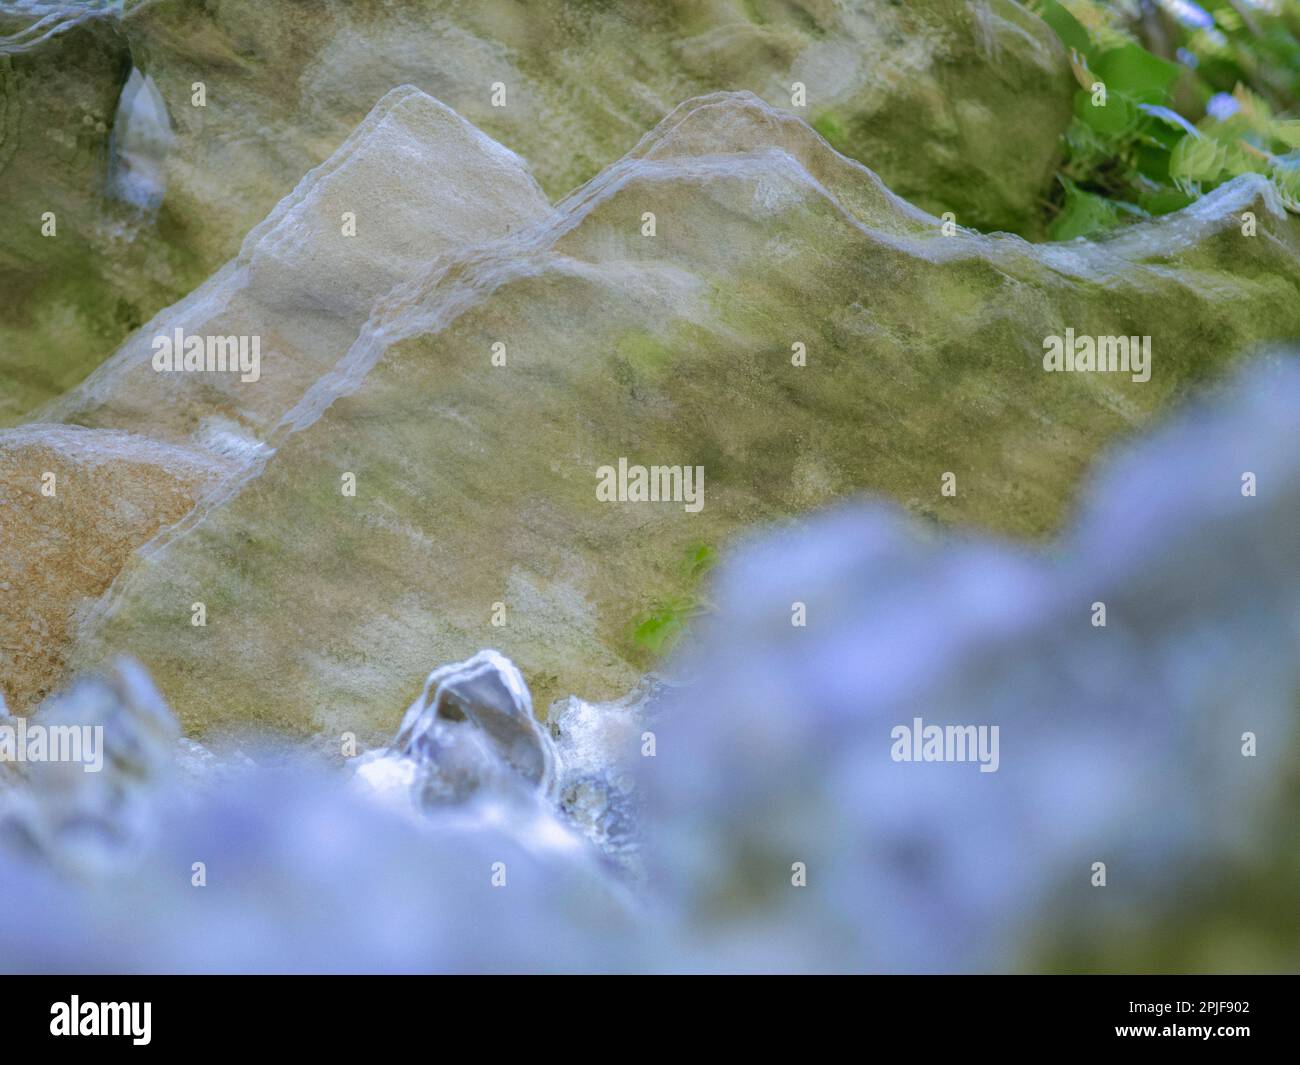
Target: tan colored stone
(111, 492)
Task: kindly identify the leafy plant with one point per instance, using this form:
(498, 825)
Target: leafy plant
(1153, 132)
(659, 628)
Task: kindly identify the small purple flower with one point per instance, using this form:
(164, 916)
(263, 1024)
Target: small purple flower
(1222, 106)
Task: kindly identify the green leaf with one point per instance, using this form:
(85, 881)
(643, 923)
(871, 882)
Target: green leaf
(1288, 184)
(1152, 161)
(1067, 27)
(700, 558)
(1132, 71)
(660, 629)
(1197, 159)
(1084, 214)
(1288, 132)
(1112, 119)
(1164, 201)
(1238, 161)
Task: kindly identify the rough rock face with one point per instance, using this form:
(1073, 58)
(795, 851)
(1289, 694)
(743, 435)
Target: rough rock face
(303, 296)
(80, 266)
(152, 192)
(1120, 744)
(74, 504)
(415, 181)
(421, 483)
(919, 91)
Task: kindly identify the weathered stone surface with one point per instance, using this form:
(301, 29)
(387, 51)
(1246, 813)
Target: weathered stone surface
(108, 264)
(111, 491)
(422, 184)
(475, 483)
(958, 104)
(304, 295)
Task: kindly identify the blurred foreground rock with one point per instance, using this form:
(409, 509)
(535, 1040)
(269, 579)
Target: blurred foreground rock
(1158, 744)
(472, 729)
(89, 815)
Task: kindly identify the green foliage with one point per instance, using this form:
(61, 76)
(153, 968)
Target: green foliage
(1134, 74)
(1150, 134)
(663, 625)
(700, 558)
(659, 628)
(831, 126)
(1083, 213)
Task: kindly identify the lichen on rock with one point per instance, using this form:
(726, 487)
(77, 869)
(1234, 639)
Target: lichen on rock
(160, 132)
(475, 482)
